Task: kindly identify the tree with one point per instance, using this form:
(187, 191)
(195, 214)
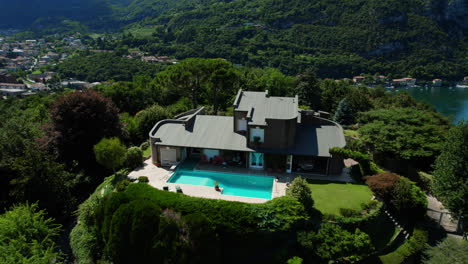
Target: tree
(344, 113)
(332, 93)
(27, 236)
(110, 153)
(300, 190)
(29, 174)
(451, 171)
(409, 135)
(147, 119)
(450, 250)
(134, 157)
(383, 184)
(200, 79)
(78, 121)
(308, 89)
(332, 242)
(408, 199)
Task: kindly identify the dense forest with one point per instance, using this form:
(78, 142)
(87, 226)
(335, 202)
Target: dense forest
(424, 39)
(67, 155)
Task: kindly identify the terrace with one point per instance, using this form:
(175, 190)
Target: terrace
(158, 178)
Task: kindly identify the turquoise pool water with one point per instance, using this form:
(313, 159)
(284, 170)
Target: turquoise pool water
(232, 184)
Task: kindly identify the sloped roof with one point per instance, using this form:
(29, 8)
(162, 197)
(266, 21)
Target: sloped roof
(260, 106)
(211, 132)
(217, 132)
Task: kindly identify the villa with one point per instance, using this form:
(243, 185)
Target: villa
(265, 133)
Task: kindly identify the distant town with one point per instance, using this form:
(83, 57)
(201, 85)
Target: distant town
(24, 67)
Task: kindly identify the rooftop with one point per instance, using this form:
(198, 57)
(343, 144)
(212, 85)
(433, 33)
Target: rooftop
(260, 107)
(217, 132)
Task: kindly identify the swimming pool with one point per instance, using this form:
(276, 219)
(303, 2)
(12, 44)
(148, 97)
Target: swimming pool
(232, 184)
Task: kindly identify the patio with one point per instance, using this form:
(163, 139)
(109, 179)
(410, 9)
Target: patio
(158, 178)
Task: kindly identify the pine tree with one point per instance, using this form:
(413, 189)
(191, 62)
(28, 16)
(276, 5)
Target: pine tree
(344, 113)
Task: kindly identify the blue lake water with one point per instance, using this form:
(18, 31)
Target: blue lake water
(449, 101)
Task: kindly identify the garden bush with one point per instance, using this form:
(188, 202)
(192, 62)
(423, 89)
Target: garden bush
(367, 167)
(425, 181)
(300, 190)
(383, 184)
(347, 212)
(227, 215)
(143, 179)
(413, 246)
(295, 260)
(134, 157)
(408, 199)
(331, 242)
(145, 145)
(451, 250)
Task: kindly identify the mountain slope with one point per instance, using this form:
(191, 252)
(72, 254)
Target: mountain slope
(423, 38)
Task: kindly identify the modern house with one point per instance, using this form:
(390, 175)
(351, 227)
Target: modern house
(358, 79)
(266, 132)
(407, 81)
(437, 82)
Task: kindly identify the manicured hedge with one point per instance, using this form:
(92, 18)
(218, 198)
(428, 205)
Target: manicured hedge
(413, 246)
(360, 221)
(366, 166)
(280, 213)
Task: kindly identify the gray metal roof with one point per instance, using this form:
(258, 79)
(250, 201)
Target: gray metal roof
(211, 132)
(260, 106)
(313, 140)
(217, 132)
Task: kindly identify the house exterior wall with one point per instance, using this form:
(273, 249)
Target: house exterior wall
(280, 133)
(156, 153)
(237, 116)
(335, 165)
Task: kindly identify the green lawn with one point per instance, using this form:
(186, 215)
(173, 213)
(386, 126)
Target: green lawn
(329, 197)
(141, 31)
(352, 133)
(147, 153)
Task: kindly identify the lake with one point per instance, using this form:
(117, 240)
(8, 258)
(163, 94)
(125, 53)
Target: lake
(449, 101)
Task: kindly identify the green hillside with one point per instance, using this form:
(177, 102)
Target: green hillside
(421, 38)
(425, 39)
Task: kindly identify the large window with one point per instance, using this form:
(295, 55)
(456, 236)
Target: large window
(257, 135)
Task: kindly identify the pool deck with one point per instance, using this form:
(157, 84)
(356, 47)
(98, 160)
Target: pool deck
(158, 178)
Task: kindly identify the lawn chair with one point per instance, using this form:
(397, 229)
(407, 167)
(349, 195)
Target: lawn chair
(178, 189)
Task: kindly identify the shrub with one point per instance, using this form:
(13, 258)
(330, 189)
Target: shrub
(334, 243)
(83, 242)
(110, 153)
(449, 251)
(425, 180)
(295, 260)
(122, 185)
(226, 215)
(143, 179)
(408, 199)
(145, 145)
(414, 245)
(366, 165)
(346, 212)
(280, 213)
(27, 235)
(383, 184)
(134, 157)
(300, 190)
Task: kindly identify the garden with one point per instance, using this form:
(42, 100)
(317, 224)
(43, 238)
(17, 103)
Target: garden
(330, 197)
